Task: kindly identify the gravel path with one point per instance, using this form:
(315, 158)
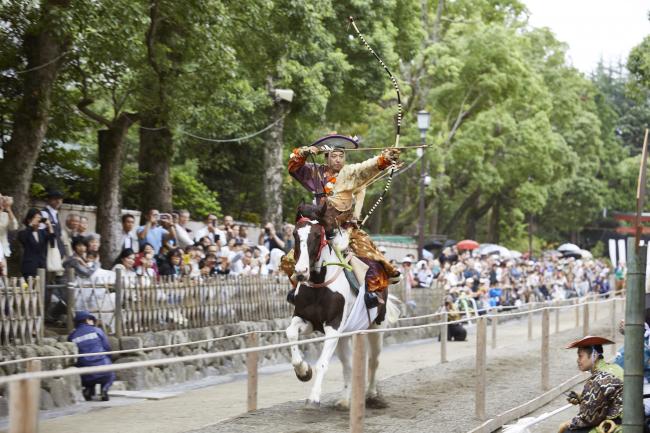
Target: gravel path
(439, 398)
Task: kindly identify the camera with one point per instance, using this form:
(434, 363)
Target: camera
(43, 220)
(267, 230)
(217, 237)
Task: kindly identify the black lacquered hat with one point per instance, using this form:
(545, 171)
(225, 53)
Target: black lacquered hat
(336, 141)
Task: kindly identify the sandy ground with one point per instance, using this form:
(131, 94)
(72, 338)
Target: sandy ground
(423, 394)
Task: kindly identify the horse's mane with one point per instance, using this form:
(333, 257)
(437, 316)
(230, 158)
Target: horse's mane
(307, 210)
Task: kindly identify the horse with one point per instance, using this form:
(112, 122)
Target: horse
(323, 302)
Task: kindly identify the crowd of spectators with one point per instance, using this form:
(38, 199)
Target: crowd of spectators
(490, 280)
(162, 246)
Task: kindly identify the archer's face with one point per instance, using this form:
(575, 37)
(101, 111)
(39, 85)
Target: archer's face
(336, 160)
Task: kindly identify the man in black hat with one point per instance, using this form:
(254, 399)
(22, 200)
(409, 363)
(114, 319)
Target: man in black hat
(51, 212)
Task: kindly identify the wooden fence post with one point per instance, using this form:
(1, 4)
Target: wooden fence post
(251, 367)
(557, 318)
(530, 323)
(117, 317)
(597, 300)
(443, 338)
(585, 319)
(481, 362)
(495, 321)
(71, 295)
(358, 403)
(577, 308)
(545, 350)
(614, 325)
(24, 399)
(41, 301)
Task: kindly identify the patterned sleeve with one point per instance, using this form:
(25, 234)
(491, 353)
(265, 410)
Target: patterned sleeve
(296, 161)
(599, 396)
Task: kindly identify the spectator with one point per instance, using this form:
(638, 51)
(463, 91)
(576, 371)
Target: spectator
(423, 275)
(145, 263)
(208, 265)
(157, 230)
(287, 235)
(170, 266)
(183, 234)
(78, 259)
(69, 232)
(129, 238)
(269, 239)
(91, 339)
(34, 241)
(93, 241)
(83, 226)
(211, 231)
(223, 268)
(455, 331)
(126, 262)
(51, 212)
(8, 222)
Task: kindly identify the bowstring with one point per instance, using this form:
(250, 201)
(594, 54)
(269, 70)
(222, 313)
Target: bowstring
(399, 116)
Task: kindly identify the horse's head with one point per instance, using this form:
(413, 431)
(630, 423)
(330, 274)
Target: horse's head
(310, 240)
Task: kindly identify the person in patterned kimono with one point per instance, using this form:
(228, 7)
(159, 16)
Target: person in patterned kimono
(601, 400)
(343, 188)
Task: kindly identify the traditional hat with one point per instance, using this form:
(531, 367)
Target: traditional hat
(336, 141)
(589, 341)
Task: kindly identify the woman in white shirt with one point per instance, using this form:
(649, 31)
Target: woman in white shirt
(8, 222)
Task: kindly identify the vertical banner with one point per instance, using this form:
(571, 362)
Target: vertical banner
(612, 252)
(621, 252)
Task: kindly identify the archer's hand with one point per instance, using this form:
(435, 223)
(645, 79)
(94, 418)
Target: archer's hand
(563, 427)
(305, 151)
(573, 398)
(391, 154)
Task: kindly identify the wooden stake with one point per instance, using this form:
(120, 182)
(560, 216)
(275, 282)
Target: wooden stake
(41, 300)
(481, 362)
(443, 339)
(585, 319)
(358, 398)
(596, 307)
(577, 308)
(545, 350)
(24, 398)
(530, 325)
(251, 366)
(72, 292)
(557, 319)
(495, 321)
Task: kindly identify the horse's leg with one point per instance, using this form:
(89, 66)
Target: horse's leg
(321, 366)
(344, 352)
(299, 326)
(375, 341)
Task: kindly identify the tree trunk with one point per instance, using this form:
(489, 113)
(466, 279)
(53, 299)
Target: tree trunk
(274, 167)
(109, 201)
(493, 226)
(154, 164)
(43, 49)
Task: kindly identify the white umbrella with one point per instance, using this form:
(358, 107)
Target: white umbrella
(515, 254)
(569, 248)
(487, 249)
(586, 254)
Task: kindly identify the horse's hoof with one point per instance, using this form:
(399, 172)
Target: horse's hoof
(312, 405)
(376, 402)
(306, 377)
(342, 405)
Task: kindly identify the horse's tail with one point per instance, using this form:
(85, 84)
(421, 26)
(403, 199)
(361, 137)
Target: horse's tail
(392, 309)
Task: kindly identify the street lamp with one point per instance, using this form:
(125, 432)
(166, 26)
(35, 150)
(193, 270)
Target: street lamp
(424, 119)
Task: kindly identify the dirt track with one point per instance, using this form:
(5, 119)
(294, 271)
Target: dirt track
(439, 398)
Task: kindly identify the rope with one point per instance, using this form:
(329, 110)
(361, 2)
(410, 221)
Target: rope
(269, 347)
(35, 68)
(227, 140)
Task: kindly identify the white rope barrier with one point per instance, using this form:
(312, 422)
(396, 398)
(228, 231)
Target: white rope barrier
(189, 358)
(258, 332)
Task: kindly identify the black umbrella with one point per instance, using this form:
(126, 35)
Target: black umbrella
(450, 243)
(433, 245)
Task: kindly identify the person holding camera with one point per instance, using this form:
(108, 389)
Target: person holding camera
(8, 222)
(212, 231)
(34, 241)
(270, 239)
(158, 229)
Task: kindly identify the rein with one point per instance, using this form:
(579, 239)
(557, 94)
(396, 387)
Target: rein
(334, 277)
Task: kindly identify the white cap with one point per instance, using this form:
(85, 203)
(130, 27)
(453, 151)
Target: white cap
(406, 259)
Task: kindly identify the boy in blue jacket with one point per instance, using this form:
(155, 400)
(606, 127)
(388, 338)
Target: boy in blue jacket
(91, 339)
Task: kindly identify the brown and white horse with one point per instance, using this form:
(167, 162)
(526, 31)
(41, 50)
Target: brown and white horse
(324, 302)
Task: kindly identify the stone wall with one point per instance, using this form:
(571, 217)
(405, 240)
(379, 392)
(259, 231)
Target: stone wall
(57, 392)
(65, 391)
